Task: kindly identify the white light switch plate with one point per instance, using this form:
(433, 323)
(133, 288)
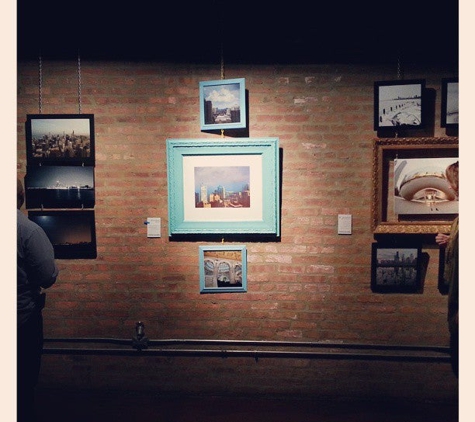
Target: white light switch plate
(154, 227)
(344, 223)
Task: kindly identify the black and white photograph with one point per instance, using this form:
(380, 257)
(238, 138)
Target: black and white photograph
(59, 187)
(421, 187)
(449, 116)
(395, 269)
(398, 104)
(223, 104)
(60, 139)
(72, 233)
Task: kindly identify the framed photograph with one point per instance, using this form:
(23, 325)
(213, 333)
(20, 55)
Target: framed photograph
(442, 284)
(59, 187)
(421, 187)
(223, 187)
(223, 104)
(60, 139)
(72, 233)
(449, 114)
(399, 104)
(223, 269)
(410, 193)
(395, 269)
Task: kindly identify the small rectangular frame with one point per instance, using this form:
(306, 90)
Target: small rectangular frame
(396, 269)
(449, 112)
(72, 233)
(60, 139)
(223, 104)
(384, 220)
(59, 187)
(442, 284)
(223, 269)
(223, 187)
(399, 104)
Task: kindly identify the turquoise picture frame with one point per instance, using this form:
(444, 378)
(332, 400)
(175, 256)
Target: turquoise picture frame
(223, 268)
(223, 187)
(223, 104)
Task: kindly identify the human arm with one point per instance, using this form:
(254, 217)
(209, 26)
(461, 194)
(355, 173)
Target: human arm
(39, 257)
(442, 239)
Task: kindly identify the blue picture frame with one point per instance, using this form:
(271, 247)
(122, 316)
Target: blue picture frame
(223, 187)
(223, 104)
(223, 268)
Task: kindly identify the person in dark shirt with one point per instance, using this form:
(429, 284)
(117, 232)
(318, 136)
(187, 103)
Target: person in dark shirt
(451, 271)
(36, 270)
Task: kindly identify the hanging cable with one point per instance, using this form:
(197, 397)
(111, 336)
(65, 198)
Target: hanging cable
(40, 83)
(79, 82)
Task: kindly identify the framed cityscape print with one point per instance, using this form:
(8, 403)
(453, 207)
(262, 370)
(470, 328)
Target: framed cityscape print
(410, 192)
(223, 104)
(60, 139)
(449, 114)
(223, 187)
(59, 187)
(395, 269)
(223, 269)
(399, 104)
(72, 233)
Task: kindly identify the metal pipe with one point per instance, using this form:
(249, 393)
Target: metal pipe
(224, 353)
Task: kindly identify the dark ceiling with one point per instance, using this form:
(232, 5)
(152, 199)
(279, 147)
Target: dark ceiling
(241, 31)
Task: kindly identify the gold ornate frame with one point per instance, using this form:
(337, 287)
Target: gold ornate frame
(384, 221)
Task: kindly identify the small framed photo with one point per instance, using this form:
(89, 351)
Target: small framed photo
(449, 115)
(72, 233)
(442, 284)
(396, 269)
(223, 104)
(399, 104)
(59, 187)
(223, 269)
(218, 188)
(60, 139)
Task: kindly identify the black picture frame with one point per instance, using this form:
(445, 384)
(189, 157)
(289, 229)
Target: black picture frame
(449, 112)
(59, 187)
(72, 233)
(60, 139)
(442, 284)
(396, 269)
(399, 104)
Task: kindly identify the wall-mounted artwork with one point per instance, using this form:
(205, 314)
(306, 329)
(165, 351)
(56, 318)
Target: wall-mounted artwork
(442, 284)
(223, 104)
(59, 187)
(420, 186)
(423, 205)
(72, 233)
(395, 269)
(223, 269)
(399, 104)
(449, 114)
(60, 139)
(223, 187)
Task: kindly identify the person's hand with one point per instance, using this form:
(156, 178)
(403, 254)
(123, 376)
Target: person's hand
(442, 239)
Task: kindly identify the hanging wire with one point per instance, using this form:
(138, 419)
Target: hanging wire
(40, 84)
(79, 82)
(222, 74)
(222, 61)
(399, 66)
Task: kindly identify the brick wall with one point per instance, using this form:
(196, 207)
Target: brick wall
(313, 285)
